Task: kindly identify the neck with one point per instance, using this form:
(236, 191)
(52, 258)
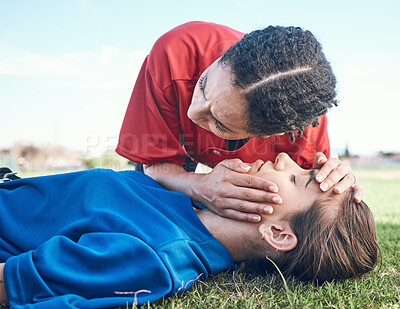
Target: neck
(236, 236)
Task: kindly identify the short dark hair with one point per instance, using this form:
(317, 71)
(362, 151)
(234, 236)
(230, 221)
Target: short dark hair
(331, 245)
(287, 81)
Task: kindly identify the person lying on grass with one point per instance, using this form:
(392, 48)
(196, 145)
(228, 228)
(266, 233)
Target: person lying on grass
(99, 238)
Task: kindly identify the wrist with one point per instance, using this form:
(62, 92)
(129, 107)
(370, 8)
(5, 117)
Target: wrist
(197, 188)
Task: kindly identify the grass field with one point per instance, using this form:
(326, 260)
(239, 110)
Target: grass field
(380, 289)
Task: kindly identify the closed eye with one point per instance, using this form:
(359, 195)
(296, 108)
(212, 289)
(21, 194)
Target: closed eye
(293, 178)
(219, 128)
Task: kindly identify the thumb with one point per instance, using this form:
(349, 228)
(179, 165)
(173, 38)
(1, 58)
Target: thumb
(319, 159)
(236, 165)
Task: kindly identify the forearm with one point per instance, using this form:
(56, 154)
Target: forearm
(173, 177)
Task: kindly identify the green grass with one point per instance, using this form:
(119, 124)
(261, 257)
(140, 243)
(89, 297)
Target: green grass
(379, 289)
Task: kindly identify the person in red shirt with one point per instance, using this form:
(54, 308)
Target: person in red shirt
(207, 93)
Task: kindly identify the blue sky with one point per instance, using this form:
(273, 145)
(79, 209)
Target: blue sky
(67, 68)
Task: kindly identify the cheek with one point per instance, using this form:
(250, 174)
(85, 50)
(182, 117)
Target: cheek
(304, 199)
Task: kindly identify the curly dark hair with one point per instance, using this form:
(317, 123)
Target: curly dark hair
(287, 81)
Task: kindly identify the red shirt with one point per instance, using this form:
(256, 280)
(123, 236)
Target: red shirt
(156, 127)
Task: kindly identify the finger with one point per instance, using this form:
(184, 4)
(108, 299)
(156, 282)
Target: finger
(254, 195)
(250, 181)
(245, 211)
(347, 182)
(358, 192)
(336, 175)
(326, 169)
(249, 207)
(236, 165)
(241, 216)
(319, 159)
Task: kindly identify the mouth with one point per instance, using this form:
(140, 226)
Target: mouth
(265, 163)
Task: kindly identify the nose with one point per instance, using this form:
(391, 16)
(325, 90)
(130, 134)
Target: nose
(282, 161)
(198, 108)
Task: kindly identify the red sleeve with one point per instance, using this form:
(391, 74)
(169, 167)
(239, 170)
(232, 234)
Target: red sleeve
(150, 130)
(317, 140)
(323, 145)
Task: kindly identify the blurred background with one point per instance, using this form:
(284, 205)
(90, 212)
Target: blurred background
(67, 69)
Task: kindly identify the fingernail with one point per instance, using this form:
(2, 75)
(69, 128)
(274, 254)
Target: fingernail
(245, 167)
(268, 210)
(324, 186)
(277, 199)
(320, 159)
(338, 189)
(273, 188)
(318, 178)
(256, 218)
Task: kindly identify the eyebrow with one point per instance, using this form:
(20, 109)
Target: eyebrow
(312, 177)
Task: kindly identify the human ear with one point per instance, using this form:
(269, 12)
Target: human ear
(278, 236)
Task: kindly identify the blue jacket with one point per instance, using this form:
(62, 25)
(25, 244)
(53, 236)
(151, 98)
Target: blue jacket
(92, 239)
